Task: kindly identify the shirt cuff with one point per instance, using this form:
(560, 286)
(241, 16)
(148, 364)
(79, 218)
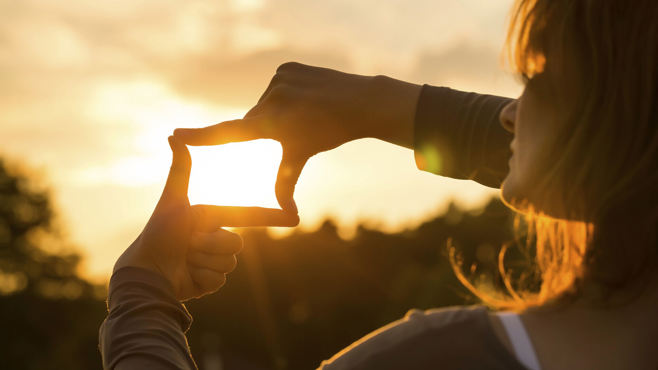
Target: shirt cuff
(434, 134)
(128, 282)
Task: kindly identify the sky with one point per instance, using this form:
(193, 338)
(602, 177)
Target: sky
(90, 90)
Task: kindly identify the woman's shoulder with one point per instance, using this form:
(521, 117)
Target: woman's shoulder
(454, 337)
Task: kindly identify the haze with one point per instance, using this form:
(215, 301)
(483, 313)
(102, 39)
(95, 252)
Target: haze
(91, 90)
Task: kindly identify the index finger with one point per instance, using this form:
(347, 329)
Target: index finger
(210, 218)
(245, 129)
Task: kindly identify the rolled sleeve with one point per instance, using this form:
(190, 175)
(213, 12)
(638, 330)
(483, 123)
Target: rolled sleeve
(457, 134)
(146, 324)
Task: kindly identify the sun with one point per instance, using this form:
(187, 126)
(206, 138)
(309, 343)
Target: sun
(236, 174)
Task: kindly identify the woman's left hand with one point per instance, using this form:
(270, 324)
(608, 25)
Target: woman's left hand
(186, 244)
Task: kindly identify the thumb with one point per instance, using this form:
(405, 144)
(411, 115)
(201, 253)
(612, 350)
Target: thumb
(179, 173)
(289, 171)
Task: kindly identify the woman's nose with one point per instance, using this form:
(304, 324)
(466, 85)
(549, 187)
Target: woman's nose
(507, 116)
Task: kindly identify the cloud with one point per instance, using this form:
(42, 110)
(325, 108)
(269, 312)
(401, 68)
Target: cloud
(385, 33)
(237, 81)
(465, 65)
(225, 52)
(95, 86)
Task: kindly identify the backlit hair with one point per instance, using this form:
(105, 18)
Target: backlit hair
(602, 58)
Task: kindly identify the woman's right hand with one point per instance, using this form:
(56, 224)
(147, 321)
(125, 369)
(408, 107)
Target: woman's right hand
(310, 110)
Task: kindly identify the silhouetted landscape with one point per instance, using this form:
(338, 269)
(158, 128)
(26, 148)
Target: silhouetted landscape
(291, 302)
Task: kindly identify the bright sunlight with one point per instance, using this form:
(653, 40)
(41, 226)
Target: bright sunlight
(237, 174)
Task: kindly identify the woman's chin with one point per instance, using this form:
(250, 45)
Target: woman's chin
(511, 197)
(518, 199)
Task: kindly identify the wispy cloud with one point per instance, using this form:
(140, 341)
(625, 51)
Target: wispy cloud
(91, 89)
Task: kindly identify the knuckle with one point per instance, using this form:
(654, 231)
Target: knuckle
(288, 66)
(230, 241)
(213, 286)
(198, 214)
(220, 282)
(197, 241)
(294, 221)
(231, 264)
(278, 78)
(280, 92)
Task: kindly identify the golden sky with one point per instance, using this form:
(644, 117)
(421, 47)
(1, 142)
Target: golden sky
(90, 90)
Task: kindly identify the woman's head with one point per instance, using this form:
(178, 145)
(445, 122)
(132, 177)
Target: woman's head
(586, 125)
(585, 162)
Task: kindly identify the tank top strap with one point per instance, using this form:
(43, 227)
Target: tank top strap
(520, 340)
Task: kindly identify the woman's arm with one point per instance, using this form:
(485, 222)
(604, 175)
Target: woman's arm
(459, 135)
(146, 324)
(311, 109)
(453, 133)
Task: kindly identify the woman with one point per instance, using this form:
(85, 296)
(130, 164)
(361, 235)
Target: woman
(583, 174)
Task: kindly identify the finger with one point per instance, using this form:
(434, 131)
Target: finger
(179, 173)
(207, 280)
(289, 170)
(222, 263)
(216, 242)
(238, 130)
(210, 218)
(292, 66)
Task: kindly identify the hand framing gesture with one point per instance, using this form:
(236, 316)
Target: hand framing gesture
(186, 244)
(312, 109)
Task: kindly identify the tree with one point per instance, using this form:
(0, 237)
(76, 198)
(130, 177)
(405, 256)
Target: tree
(290, 303)
(49, 314)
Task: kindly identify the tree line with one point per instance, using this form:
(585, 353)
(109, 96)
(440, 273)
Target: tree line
(290, 303)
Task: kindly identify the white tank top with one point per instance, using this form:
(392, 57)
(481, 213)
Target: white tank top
(520, 341)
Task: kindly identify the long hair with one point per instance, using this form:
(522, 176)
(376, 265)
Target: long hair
(602, 57)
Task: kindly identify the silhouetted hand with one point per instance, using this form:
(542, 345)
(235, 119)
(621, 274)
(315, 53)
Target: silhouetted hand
(310, 110)
(186, 244)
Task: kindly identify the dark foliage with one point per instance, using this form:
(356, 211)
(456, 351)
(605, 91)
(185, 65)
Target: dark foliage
(296, 301)
(291, 302)
(48, 313)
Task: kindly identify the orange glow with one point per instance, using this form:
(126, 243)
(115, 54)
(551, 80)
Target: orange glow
(91, 91)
